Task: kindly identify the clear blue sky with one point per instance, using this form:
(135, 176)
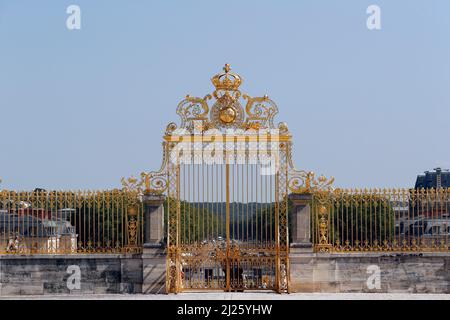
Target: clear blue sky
(80, 109)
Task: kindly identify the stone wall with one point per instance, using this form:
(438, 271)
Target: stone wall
(310, 272)
(405, 273)
(49, 274)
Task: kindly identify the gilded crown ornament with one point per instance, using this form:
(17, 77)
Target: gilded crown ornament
(227, 110)
(228, 81)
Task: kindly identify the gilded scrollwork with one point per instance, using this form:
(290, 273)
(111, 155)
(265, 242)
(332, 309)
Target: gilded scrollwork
(132, 184)
(171, 127)
(154, 182)
(283, 128)
(134, 189)
(260, 112)
(301, 181)
(193, 110)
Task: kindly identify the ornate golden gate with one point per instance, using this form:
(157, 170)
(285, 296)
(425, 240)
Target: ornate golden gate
(226, 175)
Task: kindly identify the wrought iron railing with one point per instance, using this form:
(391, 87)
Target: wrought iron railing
(398, 220)
(64, 222)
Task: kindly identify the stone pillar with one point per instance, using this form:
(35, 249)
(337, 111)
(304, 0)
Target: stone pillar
(301, 221)
(301, 249)
(154, 253)
(153, 220)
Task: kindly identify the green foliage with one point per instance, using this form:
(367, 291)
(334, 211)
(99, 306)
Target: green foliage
(207, 221)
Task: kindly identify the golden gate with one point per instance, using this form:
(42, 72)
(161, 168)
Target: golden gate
(226, 175)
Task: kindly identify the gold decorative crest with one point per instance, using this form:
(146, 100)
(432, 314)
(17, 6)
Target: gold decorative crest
(226, 111)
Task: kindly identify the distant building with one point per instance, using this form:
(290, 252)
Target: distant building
(29, 229)
(425, 213)
(437, 179)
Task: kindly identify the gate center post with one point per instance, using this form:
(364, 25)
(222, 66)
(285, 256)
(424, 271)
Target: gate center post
(227, 190)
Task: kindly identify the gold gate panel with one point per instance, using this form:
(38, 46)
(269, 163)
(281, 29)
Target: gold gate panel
(226, 174)
(227, 227)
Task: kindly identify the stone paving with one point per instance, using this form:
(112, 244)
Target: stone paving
(240, 296)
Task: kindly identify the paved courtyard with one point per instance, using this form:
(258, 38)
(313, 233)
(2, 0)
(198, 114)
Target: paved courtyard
(241, 296)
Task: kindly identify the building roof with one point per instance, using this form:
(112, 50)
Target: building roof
(437, 179)
(27, 225)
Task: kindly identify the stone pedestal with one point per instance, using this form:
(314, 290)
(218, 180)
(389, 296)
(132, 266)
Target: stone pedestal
(154, 253)
(301, 269)
(300, 218)
(154, 269)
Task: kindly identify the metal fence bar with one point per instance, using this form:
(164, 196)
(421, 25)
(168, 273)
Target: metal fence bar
(399, 220)
(66, 222)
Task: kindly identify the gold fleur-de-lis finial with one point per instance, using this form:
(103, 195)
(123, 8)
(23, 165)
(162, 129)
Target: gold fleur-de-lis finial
(227, 68)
